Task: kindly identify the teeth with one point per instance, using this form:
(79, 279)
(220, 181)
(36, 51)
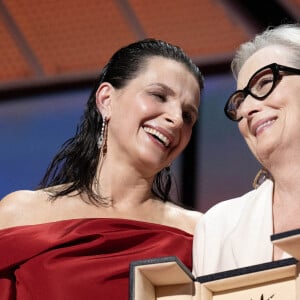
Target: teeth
(264, 124)
(157, 134)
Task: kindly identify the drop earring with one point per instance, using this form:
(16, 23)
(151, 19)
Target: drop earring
(262, 175)
(102, 138)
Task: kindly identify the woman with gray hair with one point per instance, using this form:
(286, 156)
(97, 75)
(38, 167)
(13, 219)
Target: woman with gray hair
(266, 106)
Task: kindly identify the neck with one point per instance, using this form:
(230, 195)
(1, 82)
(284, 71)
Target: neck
(123, 184)
(286, 175)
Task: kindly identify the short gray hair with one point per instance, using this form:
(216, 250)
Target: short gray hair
(286, 35)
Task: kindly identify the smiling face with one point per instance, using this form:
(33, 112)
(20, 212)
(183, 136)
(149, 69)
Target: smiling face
(151, 118)
(271, 126)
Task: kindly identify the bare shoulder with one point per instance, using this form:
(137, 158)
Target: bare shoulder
(184, 219)
(14, 200)
(17, 206)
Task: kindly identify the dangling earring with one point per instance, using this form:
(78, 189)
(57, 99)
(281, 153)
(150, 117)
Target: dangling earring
(262, 175)
(101, 143)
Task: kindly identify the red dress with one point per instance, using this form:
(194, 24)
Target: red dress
(82, 259)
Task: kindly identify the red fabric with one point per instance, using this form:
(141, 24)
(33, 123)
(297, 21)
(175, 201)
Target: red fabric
(82, 258)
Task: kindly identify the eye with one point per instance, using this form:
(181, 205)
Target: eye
(188, 117)
(160, 96)
(262, 83)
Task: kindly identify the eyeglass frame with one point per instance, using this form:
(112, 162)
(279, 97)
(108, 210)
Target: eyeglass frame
(276, 68)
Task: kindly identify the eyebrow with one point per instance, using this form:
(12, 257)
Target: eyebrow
(164, 86)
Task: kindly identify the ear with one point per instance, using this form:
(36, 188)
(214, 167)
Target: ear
(103, 99)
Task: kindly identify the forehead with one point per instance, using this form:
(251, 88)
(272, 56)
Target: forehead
(160, 65)
(169, 72)
(265, 56)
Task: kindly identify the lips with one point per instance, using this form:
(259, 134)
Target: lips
(158, 135)
(260, 125)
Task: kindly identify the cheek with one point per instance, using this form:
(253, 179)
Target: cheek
(243, 128)
(143, 108)
(287, 92)
(186, 136)
(147, 106)
(249, 139)
(294, 99)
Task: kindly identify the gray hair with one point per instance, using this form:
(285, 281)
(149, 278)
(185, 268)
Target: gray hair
(285, 35)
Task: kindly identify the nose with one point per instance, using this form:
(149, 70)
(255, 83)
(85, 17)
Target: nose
(174, 118)
(249, 107)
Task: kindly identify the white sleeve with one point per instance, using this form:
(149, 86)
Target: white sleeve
(210, 244)
(198, 248)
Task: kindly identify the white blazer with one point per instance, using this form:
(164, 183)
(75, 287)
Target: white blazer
(235, 233)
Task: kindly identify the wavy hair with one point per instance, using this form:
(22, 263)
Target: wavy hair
(285, 35)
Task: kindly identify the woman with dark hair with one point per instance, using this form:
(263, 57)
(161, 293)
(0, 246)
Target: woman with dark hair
(105, 199)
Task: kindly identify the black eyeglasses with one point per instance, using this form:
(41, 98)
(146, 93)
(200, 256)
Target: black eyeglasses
(259, 86)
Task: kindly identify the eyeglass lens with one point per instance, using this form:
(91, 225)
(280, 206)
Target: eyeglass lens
(260, 84)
